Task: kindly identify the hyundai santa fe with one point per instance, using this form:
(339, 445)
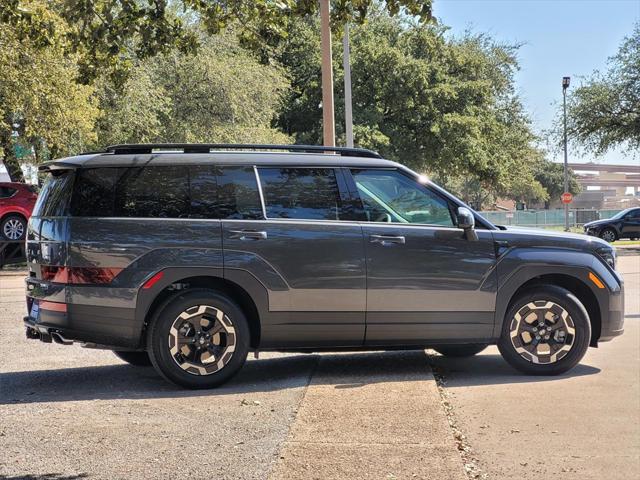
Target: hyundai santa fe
(190, 256)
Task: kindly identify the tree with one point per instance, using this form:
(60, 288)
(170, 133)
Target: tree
(222, 94)
(42, 108)
(445, 107)
(110, 34)
(551, 177)
(604, 112)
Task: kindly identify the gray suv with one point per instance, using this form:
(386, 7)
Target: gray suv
(190, 256)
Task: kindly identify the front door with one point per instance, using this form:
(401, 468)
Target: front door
(307, 254)
(425, 280)
(631, 224)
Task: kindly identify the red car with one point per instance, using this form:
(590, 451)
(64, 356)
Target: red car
(16, 203)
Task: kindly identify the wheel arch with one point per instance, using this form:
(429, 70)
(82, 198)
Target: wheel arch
(578, 288)
(570, 269)
(175, 282)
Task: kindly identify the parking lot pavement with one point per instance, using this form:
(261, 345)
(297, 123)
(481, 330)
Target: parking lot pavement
(68, 412)
(581, 425)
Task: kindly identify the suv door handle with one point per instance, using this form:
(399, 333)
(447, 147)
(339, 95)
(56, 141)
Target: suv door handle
(386, 240)
(248, 234)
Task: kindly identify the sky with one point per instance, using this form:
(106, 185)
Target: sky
(560, 38)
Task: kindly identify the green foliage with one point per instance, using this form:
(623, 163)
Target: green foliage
(222, 94)
(443, 106)
(112, 34)
(39, 98)
(604, 112)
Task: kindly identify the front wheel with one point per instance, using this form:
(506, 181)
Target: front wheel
(199, 339)
(608, 235)
(466, 350)
(546, 331)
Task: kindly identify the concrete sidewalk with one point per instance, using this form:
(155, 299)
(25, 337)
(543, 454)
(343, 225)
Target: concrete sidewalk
(353, 423)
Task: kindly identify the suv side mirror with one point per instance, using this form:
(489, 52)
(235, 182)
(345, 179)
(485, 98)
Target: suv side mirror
(467, 222)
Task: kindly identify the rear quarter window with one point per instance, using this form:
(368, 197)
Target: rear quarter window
(55, 195)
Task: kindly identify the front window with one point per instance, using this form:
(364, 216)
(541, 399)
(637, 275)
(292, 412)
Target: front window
(390, 196)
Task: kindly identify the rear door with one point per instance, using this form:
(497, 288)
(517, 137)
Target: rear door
(307, 252)
(425, 280)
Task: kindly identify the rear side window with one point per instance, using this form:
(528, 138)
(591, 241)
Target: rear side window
(94, 190)
(224, 192)
(238, 194)
(53, 200)
(156, 192)
(303, 193)
(7, 192)
(197, 191)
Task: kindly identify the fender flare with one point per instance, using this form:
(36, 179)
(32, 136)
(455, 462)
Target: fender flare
(521, 265)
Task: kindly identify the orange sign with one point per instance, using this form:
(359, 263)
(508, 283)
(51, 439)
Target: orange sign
(566, 197)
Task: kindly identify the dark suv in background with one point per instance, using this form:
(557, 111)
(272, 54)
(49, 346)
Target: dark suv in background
(624, 224)
(190, 256)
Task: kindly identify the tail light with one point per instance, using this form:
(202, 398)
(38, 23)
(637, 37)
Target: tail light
(79, 275)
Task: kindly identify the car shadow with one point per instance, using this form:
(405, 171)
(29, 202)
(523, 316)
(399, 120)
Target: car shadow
(344, 370)
(491, 369)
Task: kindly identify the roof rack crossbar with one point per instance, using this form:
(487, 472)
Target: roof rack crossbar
(125, 149)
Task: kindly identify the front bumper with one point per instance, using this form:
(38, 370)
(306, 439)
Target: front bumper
(613, 319)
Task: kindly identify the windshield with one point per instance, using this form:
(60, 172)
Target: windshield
(621, 214)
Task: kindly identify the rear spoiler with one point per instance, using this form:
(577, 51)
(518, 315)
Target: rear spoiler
(56, 165)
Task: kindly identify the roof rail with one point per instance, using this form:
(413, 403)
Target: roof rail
(125, 149)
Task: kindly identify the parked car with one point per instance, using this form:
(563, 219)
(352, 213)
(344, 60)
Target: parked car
(16, 203)
(190, 256)
(624, 224)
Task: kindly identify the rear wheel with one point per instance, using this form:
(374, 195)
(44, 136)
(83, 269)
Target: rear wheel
(467, 350)
(139, 359)
(608, 235)
(13, 227)
(545, 332)
(199, 339)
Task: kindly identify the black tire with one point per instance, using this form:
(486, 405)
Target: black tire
(581, 336)
(466, 350)
(139, 359)
(159, 336)
(13, 220)
(608, 235)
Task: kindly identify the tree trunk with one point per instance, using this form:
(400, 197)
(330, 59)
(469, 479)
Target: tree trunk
(9, 158)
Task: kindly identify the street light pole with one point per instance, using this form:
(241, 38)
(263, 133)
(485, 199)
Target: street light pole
(328, 120)
(565, 85)
(348, 111)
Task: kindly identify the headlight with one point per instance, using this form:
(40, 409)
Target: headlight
(608, 255)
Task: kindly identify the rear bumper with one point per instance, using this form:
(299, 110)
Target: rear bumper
(98, 315)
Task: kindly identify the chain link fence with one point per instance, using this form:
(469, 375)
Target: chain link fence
(546, 218)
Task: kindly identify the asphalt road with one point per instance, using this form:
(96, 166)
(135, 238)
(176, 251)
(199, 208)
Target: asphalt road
(68, 412)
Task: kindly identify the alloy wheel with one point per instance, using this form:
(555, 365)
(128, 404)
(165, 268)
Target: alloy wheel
(13, 229)
(202, 340)
(608, 236)
(542, 332)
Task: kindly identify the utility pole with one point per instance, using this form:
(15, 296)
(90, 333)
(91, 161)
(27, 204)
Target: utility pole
(328, 119)
(348, 112)
(565, 85)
